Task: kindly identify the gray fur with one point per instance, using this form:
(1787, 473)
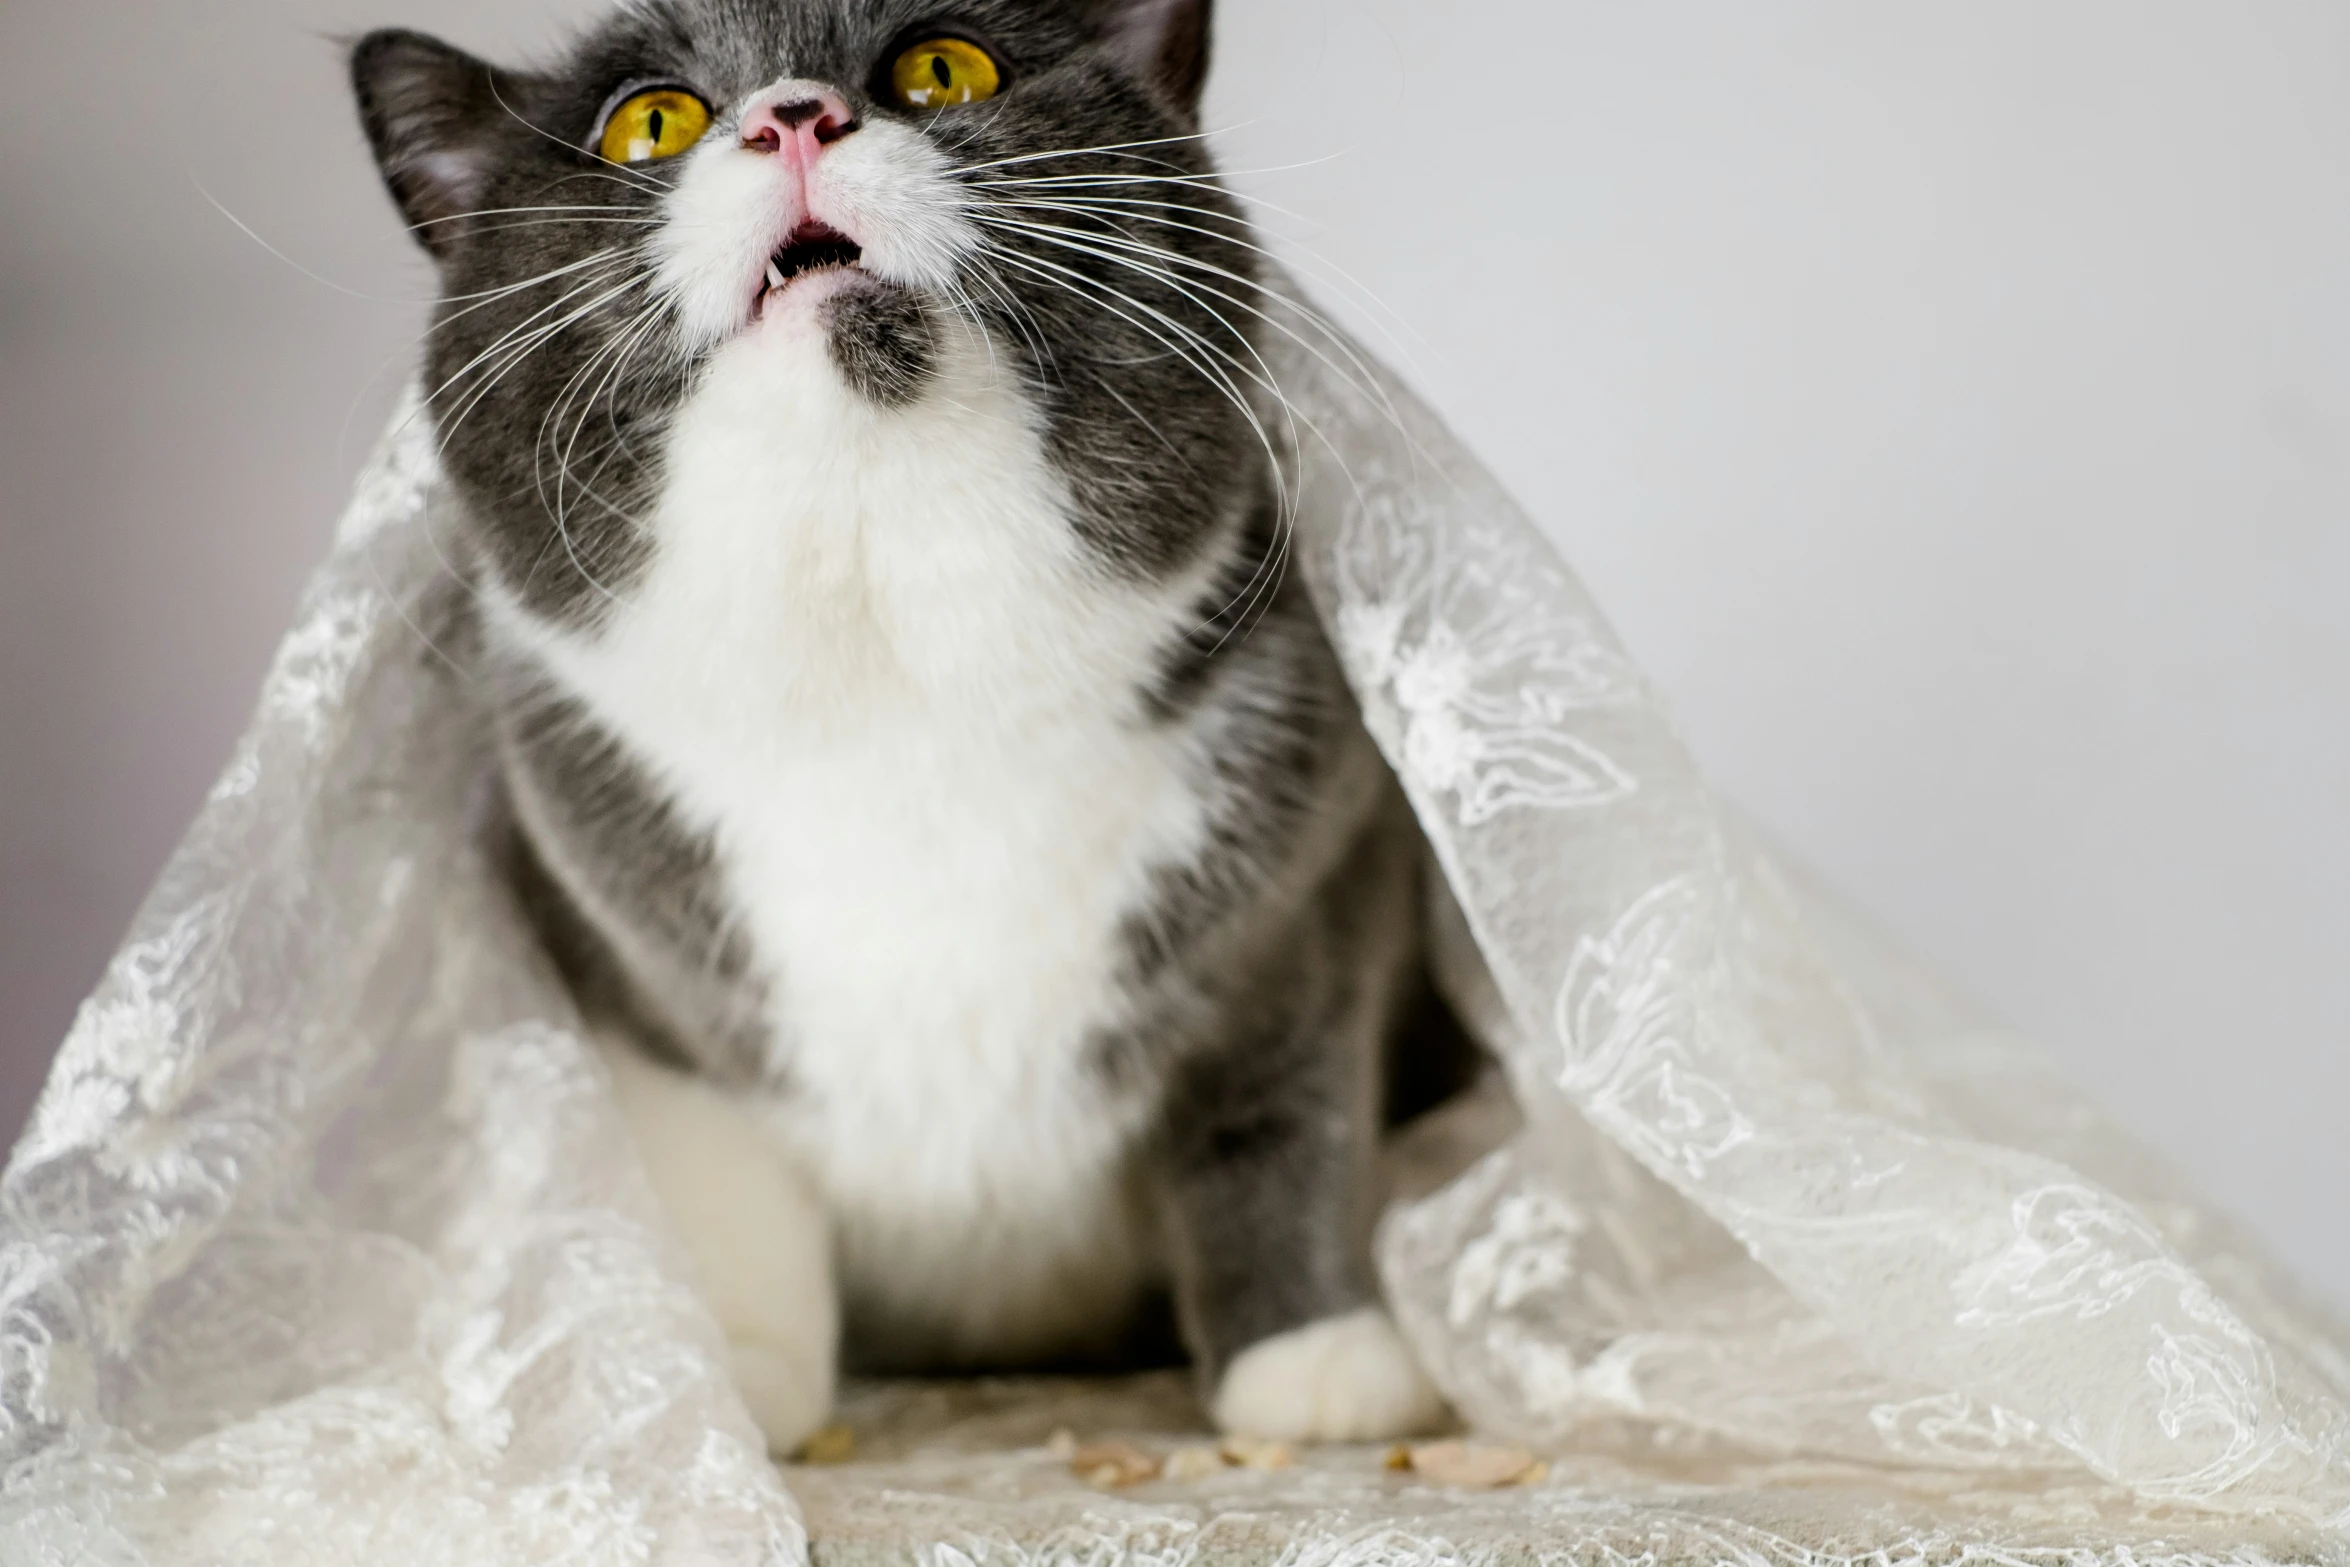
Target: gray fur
(628, 898)
(1152, 493)
(883, 341)
(1272, 976)
(1273, 1122)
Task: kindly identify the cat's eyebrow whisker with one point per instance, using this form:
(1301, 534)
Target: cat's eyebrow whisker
(645, 182)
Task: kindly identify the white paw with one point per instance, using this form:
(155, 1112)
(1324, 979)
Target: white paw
(757, 1233)
(1343, 1379)
(788, 1392)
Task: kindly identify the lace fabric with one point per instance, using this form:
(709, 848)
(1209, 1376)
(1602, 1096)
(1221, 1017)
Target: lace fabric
(1775, 1184)
(325, 1244)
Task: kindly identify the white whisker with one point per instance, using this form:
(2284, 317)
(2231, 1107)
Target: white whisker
(1108, 247)
(1081, 152)
(537, 340)
(644, 182)
(1286, 501)
(1126, 208)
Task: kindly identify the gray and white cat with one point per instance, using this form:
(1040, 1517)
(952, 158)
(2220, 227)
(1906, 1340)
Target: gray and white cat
(922, 766)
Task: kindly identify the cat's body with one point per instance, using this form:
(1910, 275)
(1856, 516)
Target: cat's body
(913, 742)
(912, 736)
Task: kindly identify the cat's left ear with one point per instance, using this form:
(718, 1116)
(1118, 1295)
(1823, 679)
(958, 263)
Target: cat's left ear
(1165, 42)
(431, 113)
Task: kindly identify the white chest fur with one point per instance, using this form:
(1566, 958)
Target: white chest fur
(872, 661)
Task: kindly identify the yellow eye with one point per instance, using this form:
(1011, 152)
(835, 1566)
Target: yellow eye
(657, 124)
(944, 71)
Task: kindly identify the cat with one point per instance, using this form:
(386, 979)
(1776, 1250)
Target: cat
(921, 762)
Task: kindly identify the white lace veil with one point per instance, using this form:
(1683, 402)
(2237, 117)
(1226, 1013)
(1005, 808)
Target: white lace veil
(325, 1245)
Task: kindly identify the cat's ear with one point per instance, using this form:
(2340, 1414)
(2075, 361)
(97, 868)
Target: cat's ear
(431, 113)
(1165, 42)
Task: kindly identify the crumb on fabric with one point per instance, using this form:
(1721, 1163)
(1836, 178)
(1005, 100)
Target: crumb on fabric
(1470, 1465)
(1194, 1463)
(1111, 1465)
(832, 1445)
(1248, 1452)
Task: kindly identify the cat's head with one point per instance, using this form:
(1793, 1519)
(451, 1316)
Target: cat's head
(695, 176)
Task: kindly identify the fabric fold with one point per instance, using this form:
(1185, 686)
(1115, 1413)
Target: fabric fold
(325, 1235)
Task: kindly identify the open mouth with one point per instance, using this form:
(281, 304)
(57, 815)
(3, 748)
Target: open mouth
(813, 247)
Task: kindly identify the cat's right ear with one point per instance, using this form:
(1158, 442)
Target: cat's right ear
(430, 112)
(1165, 42)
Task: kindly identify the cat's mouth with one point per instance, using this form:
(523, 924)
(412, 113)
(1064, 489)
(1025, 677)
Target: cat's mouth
(813, 247)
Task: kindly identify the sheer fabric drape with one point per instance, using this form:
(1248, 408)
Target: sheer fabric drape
(324, 1240)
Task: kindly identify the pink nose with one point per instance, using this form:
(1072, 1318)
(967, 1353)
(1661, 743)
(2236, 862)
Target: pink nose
(797, 120)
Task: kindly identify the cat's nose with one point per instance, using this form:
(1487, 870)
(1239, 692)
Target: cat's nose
(797, 120)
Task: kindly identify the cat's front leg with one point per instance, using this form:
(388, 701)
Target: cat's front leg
(756, 1229)
(1268, 1170)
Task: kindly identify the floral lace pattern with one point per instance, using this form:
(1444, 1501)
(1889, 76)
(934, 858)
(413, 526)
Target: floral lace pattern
(1758, 1196)
(1482, 681)
(325, 1244)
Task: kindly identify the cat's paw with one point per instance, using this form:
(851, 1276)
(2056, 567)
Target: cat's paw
(1343, 1379)
(788, 1389)
(756, 1231)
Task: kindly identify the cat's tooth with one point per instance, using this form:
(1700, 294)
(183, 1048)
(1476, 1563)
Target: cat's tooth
(774, 274)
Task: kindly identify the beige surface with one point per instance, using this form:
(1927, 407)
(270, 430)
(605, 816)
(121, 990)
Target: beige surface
(948, 1473)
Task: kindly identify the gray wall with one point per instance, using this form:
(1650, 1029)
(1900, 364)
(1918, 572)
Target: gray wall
(1952, 403)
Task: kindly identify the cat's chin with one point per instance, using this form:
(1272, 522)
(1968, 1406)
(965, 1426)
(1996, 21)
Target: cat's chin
(880, 336)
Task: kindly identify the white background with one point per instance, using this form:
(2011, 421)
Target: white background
(1950, 402)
